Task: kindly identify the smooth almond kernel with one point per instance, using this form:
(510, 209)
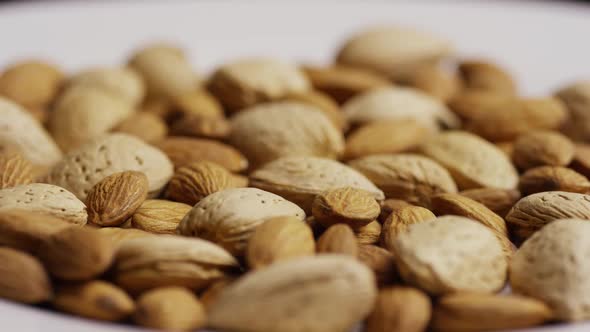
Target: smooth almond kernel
(381, 262)
(338, 239)
(195, 181)
(26, 230)
(351, 206)
(323, 103)
(390, 205)
(77, 254)
(399, 221)
(542, 148)
(159, 216)
(279, 239)
(552, 178)
(486, 76)
(94, 299)
(147, 126)
(400, 309)
(23, 278)
(114, 199)
(368, 234)
(472, 312)
(498, 200)
(14, 170)
(170, 308)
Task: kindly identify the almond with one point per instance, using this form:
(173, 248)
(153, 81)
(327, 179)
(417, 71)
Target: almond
(390, 205)
(323, 103)
(400, 220)
(351, 206)
(201, 126)
(368, 234)
(94, 299)
(542, 148)
(400, 309)
(146, 126)
(576, 98)
(198, 103)
(279, 239)
(14, 170)
(551, 178)
(497, 200)
(32, 84)
(338, 239)
(123, 82)
(119, 235)
(170, 308)
(159, 216)
(470, 104)
(23, 278)
(26, 230)
(381, 262)
(435, 81)
(581, 161)
(115, 198)
(486, 76)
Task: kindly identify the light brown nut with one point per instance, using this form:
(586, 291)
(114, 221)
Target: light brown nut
(381, 262)
(400, 220)
(77, 254)
(293, 294)
(115, 198)
(498, 200)
(195, 181)
(535, 211)
(338, 239)
(23, 278)
(323, 103)
(542, 148)
(123, 82)
(300, 179)
(22, 133)
(551, 178)
(451, 254)
(469, 104)
(279, 239)
(393, 50)
(408, 177)
(472, 312)
(44, 198)
(396, 103)
(512, 117)
(210, 295)
(26, 230)
(486, 76)
(166, 260)
(368, 234)
(80, 170)
(197, 103)
(79, 115)
(165, 70)
(344, 82)
(248, 82)
(581, 161)
(390, 205)
(472, 161)
(391, 136)
(119, 235)
(201, 126)
(15, 170)
(435, 81)
(170, 308)
(400, 309)
(147, 126)
(159, 216)
(274, 130)
(347, 205)
(229, 217)
(551, 266)
(94, 299)
(32, 84)
(184, 150)
(576, 98)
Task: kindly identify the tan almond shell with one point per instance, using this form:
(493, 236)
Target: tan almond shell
(400, 309)
(576, 98)
(293, 294)
(23, 278)
(15, 170)
(552, 178)
(542, 148)
(122, 82)
(159, 216)
(171, 309)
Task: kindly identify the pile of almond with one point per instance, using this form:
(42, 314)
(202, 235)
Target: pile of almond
(402, 188)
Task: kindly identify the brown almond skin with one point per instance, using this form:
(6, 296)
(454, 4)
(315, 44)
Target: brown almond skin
(338, 239)
(193, 125)
(390, 205)
(435, 81)
(199, 102)
(15, 170)
(159, 216)
(399, 221)
(552, 178)
(469, 104)
(486, 76)
(381, 262)
(400, 309)
(581, 161)
(170, 308)
(115, 198)
(368, 234)
(23, 278)
(193, 182)
(471, 312)
(279, 239)
(147, 126)
(542, 148)
(351, 206)
(77, 254)
(32, 83)
(498, 200)
(94, 299)
(26, 231)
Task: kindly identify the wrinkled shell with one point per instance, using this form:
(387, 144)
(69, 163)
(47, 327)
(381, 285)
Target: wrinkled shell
(498, 200)
(23, 278)
(81, 169)
(451, 254)
(15, 170)
(300, 179)
(159, 216)
(576, 98)
(472, 161)
(549, 178)
(44, 198)
(271, 131)
(400, 309)
(542, 148)
(294, 294)
(124, 83)
(400, 220)
(229, 217)
(347, 205)
(553, 267)
(338, 239)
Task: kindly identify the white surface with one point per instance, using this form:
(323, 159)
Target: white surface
(543, 44)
